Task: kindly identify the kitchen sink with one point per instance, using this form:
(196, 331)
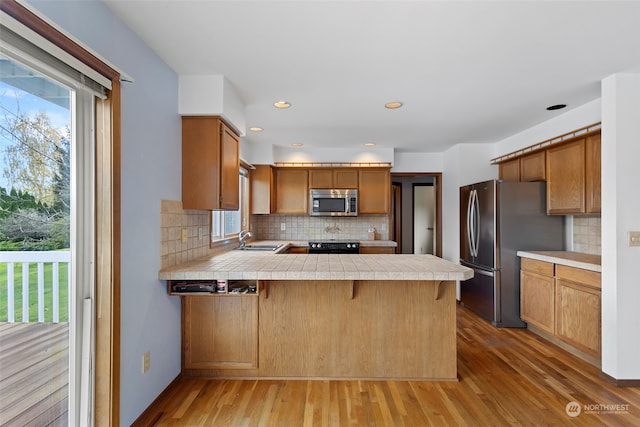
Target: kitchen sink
(260, 247)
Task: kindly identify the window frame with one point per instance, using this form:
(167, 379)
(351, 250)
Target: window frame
(219, 216)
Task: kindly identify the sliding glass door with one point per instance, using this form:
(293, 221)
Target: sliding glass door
(47, 157)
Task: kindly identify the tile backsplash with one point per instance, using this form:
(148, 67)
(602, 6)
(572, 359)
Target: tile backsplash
(173, 220)
(302, 227)
(586, 234)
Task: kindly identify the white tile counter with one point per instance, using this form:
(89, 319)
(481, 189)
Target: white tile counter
(258, 265)
(571, 259)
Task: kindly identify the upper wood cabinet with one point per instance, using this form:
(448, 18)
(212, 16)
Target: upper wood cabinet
(509, 170)
(530, 167)
(262, 190)
(292, 190)
(210, 164)
(333, 178)
(573, 176)
(594, 175)
(374, 191)
(533, 167)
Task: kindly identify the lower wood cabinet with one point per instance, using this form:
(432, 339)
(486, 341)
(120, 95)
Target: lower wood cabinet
(537, 294)
(377, 250)
(564, 302)
(220, 331)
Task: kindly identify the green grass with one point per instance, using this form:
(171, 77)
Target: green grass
(33, 292)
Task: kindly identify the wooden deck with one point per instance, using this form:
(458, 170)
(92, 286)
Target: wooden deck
(34, 370)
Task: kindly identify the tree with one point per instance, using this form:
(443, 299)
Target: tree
(33, 155)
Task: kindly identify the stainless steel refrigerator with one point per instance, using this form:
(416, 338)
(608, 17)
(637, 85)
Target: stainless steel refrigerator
(497, 219)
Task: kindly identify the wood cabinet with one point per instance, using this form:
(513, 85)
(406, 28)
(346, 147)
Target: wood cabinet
(574, 177)
(220, 332)
(297, 250)
(564, 302)
(578, 313)
(537, 294)
(377, 250)
(292, 190)
(374, 191)
(342, 177)
(593, 167)
(509, 170)
(533, 167)
(262, 190)
(210, 164)
(527, 168)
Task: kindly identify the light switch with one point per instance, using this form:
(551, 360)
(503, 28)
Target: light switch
(184, 235)
(634, 238)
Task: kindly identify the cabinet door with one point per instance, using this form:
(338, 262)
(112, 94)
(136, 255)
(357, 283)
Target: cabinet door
(377, 250)
(262, 197)
(593, 171)
(345, 178)
(229, 169)
(321, 178)
(374, 191)
(210, 164)
(578, 318)
(566, 178)
(220, 332)
(533, 167)
(537, 300)
(200, 163)
(509, 170)
(292, 190)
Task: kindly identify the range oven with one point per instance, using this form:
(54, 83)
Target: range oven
(334, 247)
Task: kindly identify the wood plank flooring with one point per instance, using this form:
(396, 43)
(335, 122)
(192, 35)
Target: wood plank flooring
(34, 374)
(507, 377)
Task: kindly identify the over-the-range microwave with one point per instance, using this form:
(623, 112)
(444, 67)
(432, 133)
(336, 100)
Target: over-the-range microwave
(333, 202)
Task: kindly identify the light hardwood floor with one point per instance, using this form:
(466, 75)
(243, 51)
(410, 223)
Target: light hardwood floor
(507, 377)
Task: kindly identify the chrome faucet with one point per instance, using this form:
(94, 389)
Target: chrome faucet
(243, 236)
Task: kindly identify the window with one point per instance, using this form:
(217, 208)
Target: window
(228, 224)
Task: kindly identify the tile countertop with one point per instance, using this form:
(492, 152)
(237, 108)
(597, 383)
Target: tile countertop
(571, 259)
(259, 265)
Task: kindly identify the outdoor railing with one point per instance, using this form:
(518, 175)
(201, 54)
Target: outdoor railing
(45, 278)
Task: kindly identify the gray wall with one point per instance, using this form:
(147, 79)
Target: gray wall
(150, 172)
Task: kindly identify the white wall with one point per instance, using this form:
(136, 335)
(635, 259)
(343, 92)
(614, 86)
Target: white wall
(151, 153)
(620, 214)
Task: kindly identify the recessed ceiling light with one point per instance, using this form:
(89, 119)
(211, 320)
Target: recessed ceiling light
(256, 129)
(282, 104)
(393, 105)
(370, 144)
(556, 107)
(297, 144)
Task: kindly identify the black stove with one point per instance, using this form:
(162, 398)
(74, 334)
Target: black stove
(334, 247)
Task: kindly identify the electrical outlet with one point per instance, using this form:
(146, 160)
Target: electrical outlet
(184, 235)
(283, 226)
(634, 238)
(200, 233)
(146, 361)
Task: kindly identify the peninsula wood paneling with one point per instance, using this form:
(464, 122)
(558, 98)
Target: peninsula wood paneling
(389, 329)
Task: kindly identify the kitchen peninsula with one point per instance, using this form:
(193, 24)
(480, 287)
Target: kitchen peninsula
(321, 316)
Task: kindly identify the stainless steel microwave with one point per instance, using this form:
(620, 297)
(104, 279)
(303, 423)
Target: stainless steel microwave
(334, 202)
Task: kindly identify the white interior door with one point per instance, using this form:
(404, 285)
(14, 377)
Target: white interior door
(424, 202)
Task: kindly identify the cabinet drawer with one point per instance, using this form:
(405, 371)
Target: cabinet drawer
(579, 275)
(535, 266)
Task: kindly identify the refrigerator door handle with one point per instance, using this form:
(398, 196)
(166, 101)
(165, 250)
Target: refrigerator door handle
(476, 227)
(470, 223)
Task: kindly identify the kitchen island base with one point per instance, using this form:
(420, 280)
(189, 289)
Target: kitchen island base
(351, 329)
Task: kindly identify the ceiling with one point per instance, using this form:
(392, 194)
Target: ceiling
(466, 72)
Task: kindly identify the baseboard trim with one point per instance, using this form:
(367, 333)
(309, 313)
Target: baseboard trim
(619, 383)
(156, 403)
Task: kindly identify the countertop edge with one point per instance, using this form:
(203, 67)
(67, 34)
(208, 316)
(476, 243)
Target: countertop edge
(563, 258)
